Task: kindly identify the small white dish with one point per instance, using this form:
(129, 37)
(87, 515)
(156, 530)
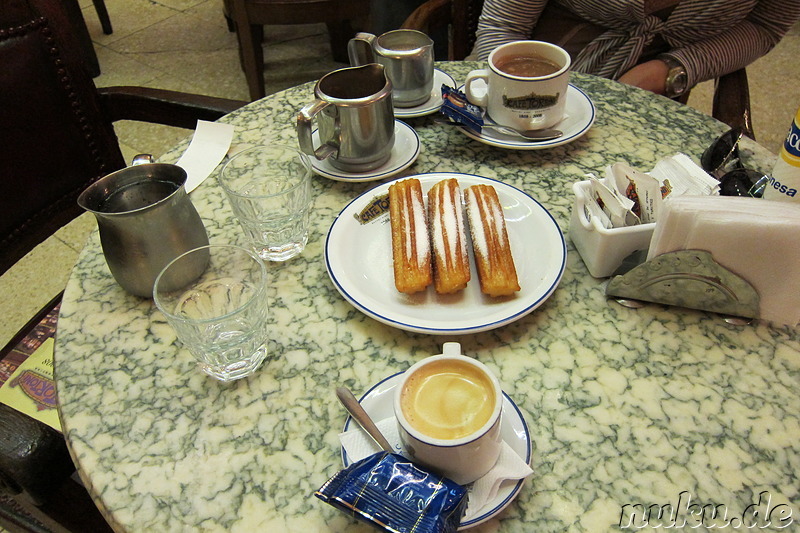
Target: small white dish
(537, 244)
(580, 114)
(435, 101)
(378, 404)
(404, 153)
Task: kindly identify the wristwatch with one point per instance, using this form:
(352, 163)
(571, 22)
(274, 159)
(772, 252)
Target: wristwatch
(677, 79)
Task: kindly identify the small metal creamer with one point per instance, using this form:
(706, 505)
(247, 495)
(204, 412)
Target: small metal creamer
(353, 109)
(145, 220)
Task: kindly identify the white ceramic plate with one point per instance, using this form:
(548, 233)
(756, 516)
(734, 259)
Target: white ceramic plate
(359, 261)
(405, 151)
(377, 402)
(435, 101)
(580, 113)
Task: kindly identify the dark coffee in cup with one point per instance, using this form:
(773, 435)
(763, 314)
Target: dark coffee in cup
(527, 66)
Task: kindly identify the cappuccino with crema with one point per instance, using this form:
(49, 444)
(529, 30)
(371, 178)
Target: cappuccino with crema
(448, 399)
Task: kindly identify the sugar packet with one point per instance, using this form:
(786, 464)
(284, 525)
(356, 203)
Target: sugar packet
(457, 108)
(388, 492)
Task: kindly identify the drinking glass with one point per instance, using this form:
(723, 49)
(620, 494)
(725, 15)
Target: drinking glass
(221, 317)
(269, 188)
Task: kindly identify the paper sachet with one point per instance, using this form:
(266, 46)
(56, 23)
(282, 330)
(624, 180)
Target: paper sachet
(628, 197)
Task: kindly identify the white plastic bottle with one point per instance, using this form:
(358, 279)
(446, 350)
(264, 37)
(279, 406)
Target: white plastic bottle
(785, 181)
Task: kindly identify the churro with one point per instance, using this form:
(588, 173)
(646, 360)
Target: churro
(411, 253)
(490, 244)
(450, 259)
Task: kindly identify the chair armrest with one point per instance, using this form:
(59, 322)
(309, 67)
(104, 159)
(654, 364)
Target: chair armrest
(161, 106)
(731, 103)
(430, 14)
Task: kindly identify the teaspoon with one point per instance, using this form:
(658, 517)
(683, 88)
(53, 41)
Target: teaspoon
(528, 135)
(360, 415)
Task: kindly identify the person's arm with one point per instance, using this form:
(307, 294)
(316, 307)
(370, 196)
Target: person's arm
(650, 75)
(504, 21)
(726, 52)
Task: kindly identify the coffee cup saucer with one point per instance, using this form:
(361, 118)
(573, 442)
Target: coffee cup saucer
(434, 102)
(378, 403)
(579, 114)
(404, 153)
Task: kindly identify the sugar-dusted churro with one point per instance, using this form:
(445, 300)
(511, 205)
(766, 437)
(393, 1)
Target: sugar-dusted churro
(410, 241)
(450, 259)
(496, 271)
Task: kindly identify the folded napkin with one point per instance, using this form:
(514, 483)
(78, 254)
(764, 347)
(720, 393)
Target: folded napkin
(208, 146)
(753, 238)
(509, 466)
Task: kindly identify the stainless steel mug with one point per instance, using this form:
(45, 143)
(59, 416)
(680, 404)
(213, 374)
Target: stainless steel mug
(353, 109)
(145, 220)
(407, 56)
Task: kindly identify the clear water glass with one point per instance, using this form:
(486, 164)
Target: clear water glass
(269, 189)
(220, 317)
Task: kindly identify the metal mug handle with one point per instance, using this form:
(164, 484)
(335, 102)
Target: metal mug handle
(360, 49)
(305, 121)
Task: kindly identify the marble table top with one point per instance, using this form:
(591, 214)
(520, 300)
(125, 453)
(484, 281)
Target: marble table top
(649, 406)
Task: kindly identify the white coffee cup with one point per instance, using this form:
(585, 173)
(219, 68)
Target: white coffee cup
(463, 450)
(526, 101)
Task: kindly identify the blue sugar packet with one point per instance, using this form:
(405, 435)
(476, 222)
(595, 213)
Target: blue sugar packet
(387, 491)
(457, 108)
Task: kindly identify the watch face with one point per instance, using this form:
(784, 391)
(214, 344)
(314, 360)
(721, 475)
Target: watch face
(677, 80)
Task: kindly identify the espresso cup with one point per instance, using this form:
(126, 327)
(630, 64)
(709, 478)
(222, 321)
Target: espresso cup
(525, 85)
(354, 112)
(448, 410)
(407, 56)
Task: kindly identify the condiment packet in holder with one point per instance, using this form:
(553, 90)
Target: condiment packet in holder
(643, 191)
(618, 209)
(457, 108)
(630, 197)
(388, 492)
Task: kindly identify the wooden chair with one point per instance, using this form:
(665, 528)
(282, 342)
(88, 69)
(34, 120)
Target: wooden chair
(342, 17)
(731, 103)
(60, 139)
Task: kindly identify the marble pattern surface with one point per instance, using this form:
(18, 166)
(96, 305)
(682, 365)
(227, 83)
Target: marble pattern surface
(624, 406)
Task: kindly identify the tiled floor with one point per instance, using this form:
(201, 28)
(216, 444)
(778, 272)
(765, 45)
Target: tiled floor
(185, 45)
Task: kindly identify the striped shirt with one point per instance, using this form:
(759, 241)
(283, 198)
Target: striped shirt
(709, 37)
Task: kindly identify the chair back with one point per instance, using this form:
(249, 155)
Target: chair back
(465, 26)
(57, 140)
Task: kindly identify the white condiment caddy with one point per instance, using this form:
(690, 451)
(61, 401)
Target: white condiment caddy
(603, 249)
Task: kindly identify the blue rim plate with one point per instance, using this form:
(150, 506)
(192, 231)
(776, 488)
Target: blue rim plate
(377, 402)
(358, 257)
(406, 149)
(580, 114)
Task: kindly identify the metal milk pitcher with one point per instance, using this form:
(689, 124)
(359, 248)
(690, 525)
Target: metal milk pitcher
(353, 107)
(146, 220)
(407, 56)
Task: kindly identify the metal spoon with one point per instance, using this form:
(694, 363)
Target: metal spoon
(528, 135)
(360, 415)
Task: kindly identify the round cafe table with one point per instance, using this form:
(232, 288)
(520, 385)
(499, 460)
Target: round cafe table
(624, 407)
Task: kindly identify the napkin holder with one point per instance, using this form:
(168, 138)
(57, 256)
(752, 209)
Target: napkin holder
(687, 278)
